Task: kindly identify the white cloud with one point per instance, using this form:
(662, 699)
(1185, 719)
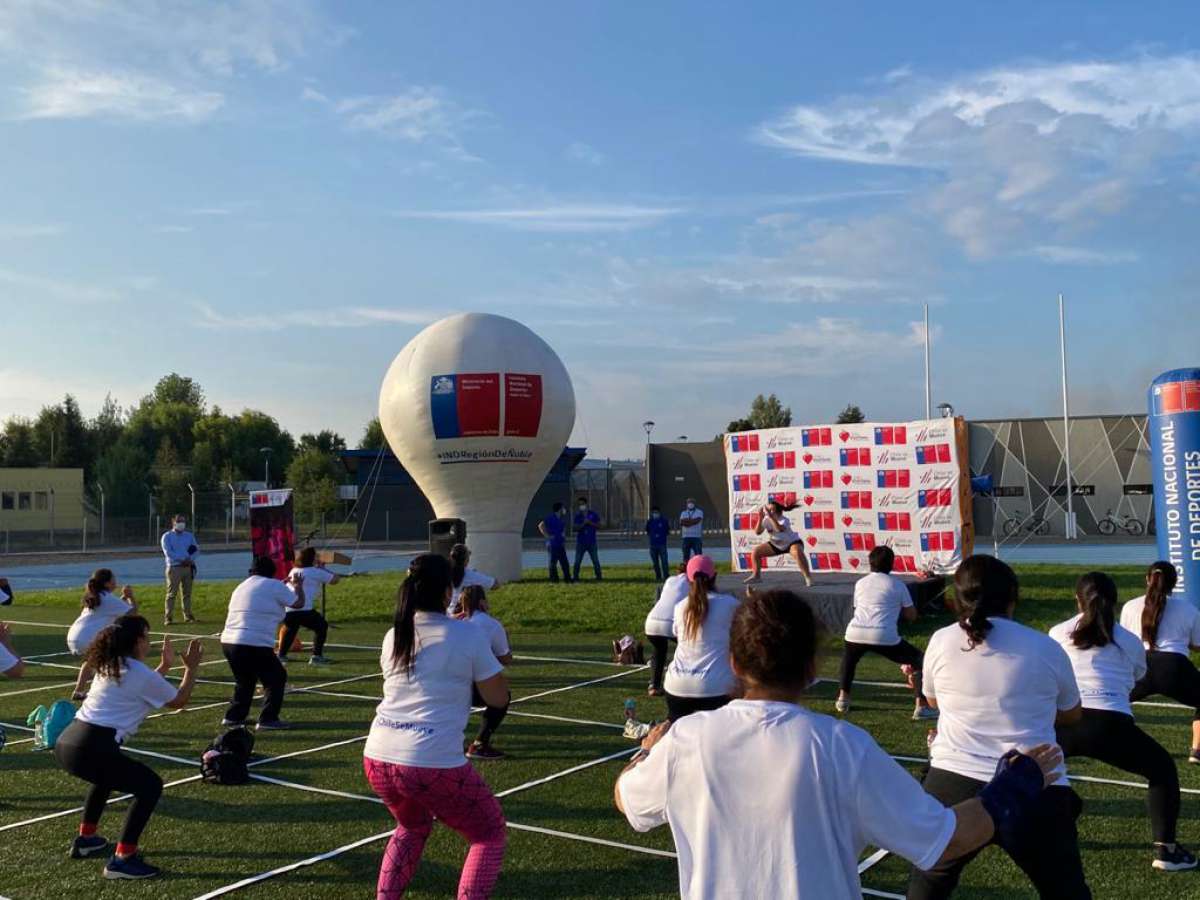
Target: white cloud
(55, 288)
(1020, 148)
(585, 153)
(420, 114)
(63, 93)
(566, 218)
(335, 317)
(172, 229)
(1082, 256)
(22, 232)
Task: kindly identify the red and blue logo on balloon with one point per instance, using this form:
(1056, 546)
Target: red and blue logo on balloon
(468, 404)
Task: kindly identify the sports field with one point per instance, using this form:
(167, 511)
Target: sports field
(308, 824)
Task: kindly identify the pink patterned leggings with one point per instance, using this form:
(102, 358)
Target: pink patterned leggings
(461, 800)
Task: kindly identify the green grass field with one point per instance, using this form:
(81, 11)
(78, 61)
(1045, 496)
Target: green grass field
(310, 801)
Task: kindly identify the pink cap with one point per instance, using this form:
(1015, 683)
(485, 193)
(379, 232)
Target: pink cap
(701, 564)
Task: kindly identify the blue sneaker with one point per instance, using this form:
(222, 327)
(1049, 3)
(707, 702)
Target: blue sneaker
(83, 847)
(133, 868)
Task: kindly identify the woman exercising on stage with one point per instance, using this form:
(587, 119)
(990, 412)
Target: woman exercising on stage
(123, 693)
(1169, 627)
(101, 607)
(1108, 659)
(781, 540)
(999, 686)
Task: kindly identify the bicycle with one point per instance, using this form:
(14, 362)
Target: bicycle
(1031, 524)
(1110, 523)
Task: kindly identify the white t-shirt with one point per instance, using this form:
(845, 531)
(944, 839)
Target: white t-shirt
(1178, 628)
(90, 622)
(1105, 675)
(7, 659)
(700, 667)
(831, 792)
(122, 704)
(692, 531)
(470, 577)
(314, 577)
(1002, 695)
(493, 631)
(256, 608)
(878, 599)
(421, 719)
(780, 535)
(661, 620)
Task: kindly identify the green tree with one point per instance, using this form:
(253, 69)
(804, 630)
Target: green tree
(328, 442)
(765, 412)
(123, 470)
(850, 415)
(105, 429)
(372, 436)
(60, 436)
(175, 388)
(249, 432)
(17, 448)
(171, 481)
(313, 478)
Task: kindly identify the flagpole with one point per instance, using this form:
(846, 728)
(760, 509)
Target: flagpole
(1062, 341)
(928, 387)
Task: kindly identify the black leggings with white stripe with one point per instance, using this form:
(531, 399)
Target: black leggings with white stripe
(1172, 675)
(1113, 737)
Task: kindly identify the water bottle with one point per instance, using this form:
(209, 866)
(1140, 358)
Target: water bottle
(630, 710)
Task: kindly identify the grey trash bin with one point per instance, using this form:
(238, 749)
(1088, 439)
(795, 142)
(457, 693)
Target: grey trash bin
(444, 534)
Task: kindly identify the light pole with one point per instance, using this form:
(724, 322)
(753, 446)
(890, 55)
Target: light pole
(648, 425)
(100, 488)
(266, 452)
(232, 510)
(192, 491)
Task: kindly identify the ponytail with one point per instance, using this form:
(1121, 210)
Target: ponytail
(1096, 595)
(1160, 581)
(96, 586)
(696, 610)
(473, 599)
(459, 554)
(983, 587)
(424, 589)
(115, 643)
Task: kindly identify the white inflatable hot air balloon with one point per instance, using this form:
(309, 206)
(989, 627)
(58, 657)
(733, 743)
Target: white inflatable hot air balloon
(478, 408)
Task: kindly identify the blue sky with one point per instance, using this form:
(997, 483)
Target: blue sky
(692, 202)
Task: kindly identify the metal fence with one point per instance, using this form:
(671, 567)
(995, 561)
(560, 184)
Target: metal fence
(616, 490)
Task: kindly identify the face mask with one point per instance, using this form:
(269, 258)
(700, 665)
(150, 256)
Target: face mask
(655, 514)
(691, 506)
(583, 507)
(180, 526)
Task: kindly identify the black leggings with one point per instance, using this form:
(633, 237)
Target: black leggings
(903, 653)
(1047, 851)
(492, 716)
(1172, 675)
(304, 618)
(93, 754)
(1114, 738)
(658, 660)
(678, 707)
(251, 665)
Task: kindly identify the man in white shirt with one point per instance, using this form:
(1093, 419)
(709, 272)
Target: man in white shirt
(691, 529)
(179, 551)
(833, 790)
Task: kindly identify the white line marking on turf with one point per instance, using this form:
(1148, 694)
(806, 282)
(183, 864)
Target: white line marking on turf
(870, 892)
(34, 690)
(877, 857)
(571, 687)
(588, 839)
(79, 809)
(580, 662)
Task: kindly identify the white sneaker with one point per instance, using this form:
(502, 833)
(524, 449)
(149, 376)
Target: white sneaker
(808, 581)
(752, 579)
(842, 706)
(922, 713)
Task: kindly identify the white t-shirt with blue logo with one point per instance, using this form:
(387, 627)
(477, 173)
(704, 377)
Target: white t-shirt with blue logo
(424, 712)
(700, 667)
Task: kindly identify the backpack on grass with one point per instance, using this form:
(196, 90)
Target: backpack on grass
(627, 650)
(48, 724)
(227, 758)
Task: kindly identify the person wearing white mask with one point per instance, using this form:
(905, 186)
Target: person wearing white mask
(586, 522)
(179, 550)
(100, 607)
(691, 529)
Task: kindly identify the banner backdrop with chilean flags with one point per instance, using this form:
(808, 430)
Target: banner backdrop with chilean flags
(855, 487)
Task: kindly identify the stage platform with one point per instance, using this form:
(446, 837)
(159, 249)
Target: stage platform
(832, 593)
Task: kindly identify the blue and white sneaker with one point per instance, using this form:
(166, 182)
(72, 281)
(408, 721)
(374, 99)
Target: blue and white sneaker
(133, 868)
(1175, 859)
(83, 847)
